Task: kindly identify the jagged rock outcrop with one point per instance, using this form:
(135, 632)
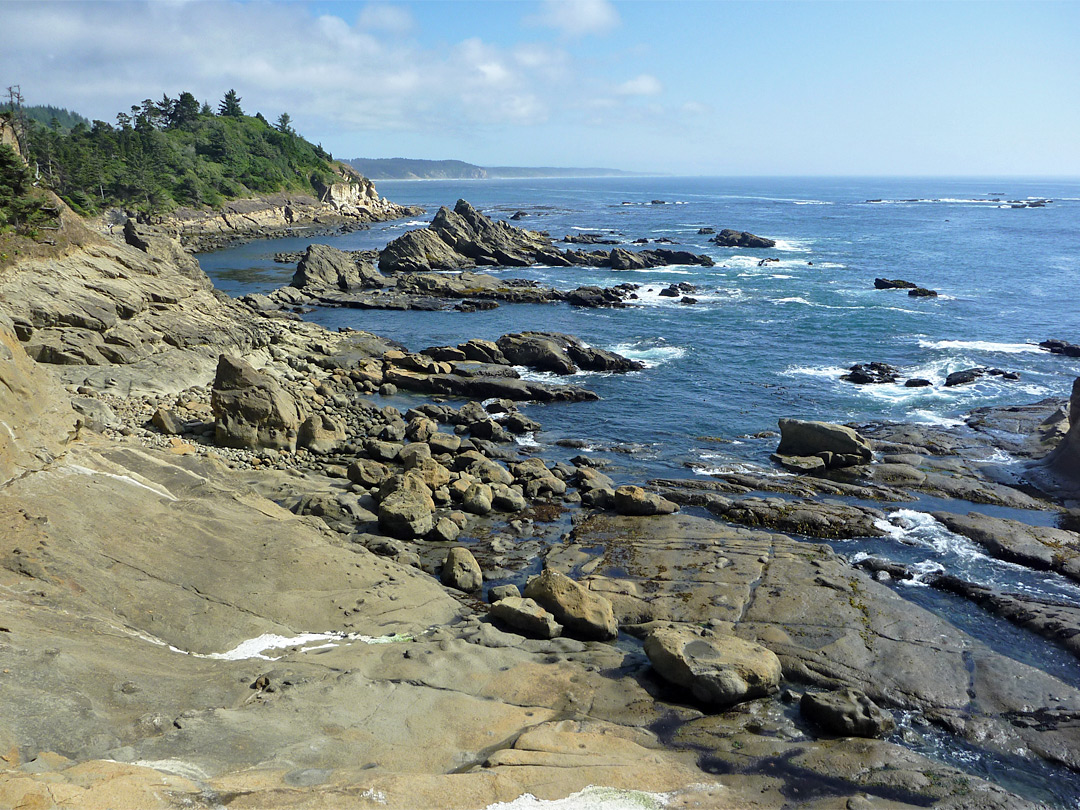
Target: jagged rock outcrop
(1065, 458)
(464, 238)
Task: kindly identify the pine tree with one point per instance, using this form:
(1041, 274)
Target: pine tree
(230, 105)
(283, 123)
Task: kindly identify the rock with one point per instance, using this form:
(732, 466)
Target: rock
(922, 292)
(477, 499)
(894, 284)
(807, 438)
(633, 500)
(444, 531)
(1065, 458)
(166, 420)
(321, 434)
(502, 592)
(800, 464)
(525, 616)
(420, 251)
(535, 351)
(846, 713)
(461, 570)
(1041, 547)
(507, 499)
(582, 614)
(1062, 347)
(871, 374)
(444, 443)
(917, 382)
(323, 266)
(407, 512)
(717, 670)
(367, 472)
(96, 415)
(252, 410)
(730, 238)
(964, 377)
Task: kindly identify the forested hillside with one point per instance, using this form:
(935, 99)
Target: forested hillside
(174, 152)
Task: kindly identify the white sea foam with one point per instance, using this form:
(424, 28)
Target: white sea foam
(920, 529)
(812, 202)
(982, 346)
(734, 468)
(527, 440)
(926, 417)
(649, 353)
(789, 245)
(591, 798)
(829, 372)
(795, 299)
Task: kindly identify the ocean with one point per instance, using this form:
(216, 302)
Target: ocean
(771, 332)
(764, 340)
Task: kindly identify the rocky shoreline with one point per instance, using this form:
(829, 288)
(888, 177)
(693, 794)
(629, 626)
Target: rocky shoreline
(238, 570)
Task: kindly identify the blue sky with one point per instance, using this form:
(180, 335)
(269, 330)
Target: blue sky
(681, 86)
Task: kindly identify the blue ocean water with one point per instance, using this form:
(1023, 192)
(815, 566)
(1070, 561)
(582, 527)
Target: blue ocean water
(766, 340)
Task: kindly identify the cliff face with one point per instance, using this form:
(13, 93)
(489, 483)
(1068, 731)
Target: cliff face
(354, 201)
(1065, 459)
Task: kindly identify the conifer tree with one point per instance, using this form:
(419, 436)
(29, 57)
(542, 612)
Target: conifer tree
(230, 105)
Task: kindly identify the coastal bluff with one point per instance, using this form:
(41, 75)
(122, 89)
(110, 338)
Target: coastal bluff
(187, 624)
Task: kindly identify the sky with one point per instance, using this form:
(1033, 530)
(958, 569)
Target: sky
(696, 87)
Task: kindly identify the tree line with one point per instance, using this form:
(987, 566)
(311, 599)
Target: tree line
(173, 152)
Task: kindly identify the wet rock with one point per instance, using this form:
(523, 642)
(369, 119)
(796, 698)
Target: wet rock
(252, 410)
(894, 284)
(633, 500)
(964, 377)
(1040, 547)
(731, 238)
(582, 613)
(461, 570)
(1062, 347)
(922, 292)
(871, 374)
(716, 670)
(535, 351)
(1065, 458)
(846, 713)
(526, 616)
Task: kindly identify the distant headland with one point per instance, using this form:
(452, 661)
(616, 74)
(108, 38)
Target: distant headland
(415, 169)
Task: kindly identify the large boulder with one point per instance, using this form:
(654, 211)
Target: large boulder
(321, 434)
(846, 713)
(460, 570)
(836, 445)
(252, 410)
(322, 266)
(535, 350)
(718, 670)
(731, 238)
(582, 613)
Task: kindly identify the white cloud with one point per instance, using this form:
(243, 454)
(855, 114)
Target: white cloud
(643, 85)
(385, 17)
(575, 18)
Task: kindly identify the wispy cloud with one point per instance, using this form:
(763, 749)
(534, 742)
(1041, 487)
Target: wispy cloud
(643, 85)
(576, 18)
